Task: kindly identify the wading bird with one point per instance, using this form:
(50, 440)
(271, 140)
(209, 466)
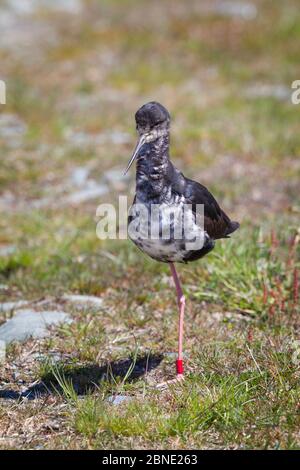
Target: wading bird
(160, 184)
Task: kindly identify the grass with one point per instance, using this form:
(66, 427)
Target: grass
(235, 410)
(242, 321)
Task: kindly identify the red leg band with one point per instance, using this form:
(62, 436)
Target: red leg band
(179, 366)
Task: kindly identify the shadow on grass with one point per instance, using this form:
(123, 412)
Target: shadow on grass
(86, 379)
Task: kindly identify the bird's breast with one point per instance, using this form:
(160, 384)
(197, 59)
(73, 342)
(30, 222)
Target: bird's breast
(165, 228)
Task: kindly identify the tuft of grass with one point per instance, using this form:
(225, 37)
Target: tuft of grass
(11, 264)
(215, 405)
(255, 276)
(66, 388)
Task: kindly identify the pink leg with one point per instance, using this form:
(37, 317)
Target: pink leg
(181, 305)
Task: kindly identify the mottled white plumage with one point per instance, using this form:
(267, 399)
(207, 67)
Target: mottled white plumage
(167, 231)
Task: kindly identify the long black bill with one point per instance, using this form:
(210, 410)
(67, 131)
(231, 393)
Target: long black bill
(141, 142)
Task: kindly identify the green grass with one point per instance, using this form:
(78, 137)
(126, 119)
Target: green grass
(242, 319)
(236, 410)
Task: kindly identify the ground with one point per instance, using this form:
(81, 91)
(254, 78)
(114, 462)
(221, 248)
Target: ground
(75, 72)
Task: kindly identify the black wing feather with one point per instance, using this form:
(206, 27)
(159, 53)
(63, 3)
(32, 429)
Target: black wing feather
(216, 223)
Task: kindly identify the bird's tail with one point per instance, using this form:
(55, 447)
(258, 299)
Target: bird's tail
(232, 227)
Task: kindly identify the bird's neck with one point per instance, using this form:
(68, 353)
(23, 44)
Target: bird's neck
(153, 166)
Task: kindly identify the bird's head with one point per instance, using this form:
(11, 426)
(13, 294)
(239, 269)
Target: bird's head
(152, 122)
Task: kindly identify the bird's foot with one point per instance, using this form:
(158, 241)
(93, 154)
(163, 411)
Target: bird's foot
(179, 378)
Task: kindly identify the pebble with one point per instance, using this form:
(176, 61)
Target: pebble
(79, 176)
(84, 195)
(261, 90)
(244, 10)
(85, 140)
(7, 250)
(118, 399)
(29, 323)
(9, 306)
(93, 190)
(28, 7)
(84, 299)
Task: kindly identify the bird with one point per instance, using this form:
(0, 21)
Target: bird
(163, 220)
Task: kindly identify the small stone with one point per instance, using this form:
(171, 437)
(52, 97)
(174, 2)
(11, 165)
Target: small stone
(79, 176)
(89, 300)
(90, 189)
(29, 323)
(244, 10)
(7, 250)
(84, 195)
(9, 306)
(29, 7)
(265, 90)
(118, 399)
